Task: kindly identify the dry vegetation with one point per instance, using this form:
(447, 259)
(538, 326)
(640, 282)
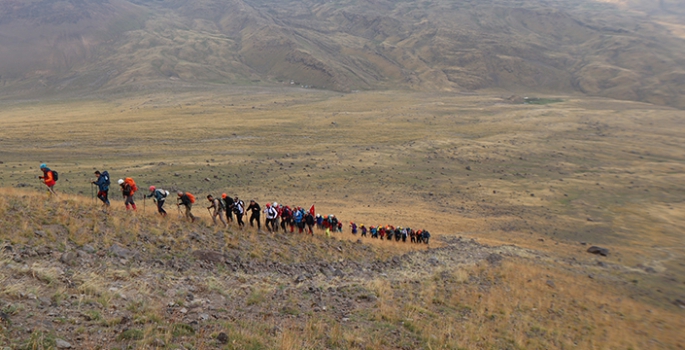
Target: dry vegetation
(531, 181)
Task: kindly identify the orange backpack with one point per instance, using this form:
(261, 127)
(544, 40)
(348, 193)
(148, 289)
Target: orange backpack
(191, 197)
(132, 183)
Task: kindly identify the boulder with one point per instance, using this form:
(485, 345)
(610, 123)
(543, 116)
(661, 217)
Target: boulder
(598, 250)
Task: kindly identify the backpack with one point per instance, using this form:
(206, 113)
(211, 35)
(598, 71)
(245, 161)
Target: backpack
(165, 193)
(55, 175)
(191, 198)
(132, 183)
(239, 207)
(221, 204)
(105, 175)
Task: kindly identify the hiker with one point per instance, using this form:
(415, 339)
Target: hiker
(425, 236)
(271, 214)
(404, 235)
(309, 221)
(286, 218)
(279, 210)
(49, 178)
(158, 196)
(239, 211)
(128, 189)
(419, 237)
(319, 221)
(254, 215)
(374, 231)
(363, 229)
(103, 188)
(298, 217)
(187, 200)
(398, 234)
(218, 209)
(228, 204)
(353, 227)
(412, 236)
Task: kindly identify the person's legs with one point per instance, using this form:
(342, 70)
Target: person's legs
(160, 208)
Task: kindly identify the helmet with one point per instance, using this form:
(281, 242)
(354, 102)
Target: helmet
(275, 204)
(121, 181)
(43, 166)
(152, 188)
(268, 205)
(223, 195)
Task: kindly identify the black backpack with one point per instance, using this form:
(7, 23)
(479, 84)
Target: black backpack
(55, 175)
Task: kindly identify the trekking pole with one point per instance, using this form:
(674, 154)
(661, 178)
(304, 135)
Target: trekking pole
(144, 197)
(92, 192)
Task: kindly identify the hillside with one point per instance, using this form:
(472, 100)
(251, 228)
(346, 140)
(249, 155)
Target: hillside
(73, 277)
(619, 49)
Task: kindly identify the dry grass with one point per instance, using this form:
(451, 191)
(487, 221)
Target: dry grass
(620, 163)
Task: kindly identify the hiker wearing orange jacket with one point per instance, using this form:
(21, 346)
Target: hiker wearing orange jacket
(48, 178)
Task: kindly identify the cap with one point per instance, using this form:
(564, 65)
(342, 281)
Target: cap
(223, 195)
(275, 204)
(121, 181)
(43, 166)
(268, 205)
(152, 188)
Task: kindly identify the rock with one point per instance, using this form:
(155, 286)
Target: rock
(68, 258)
(222, 338)
(158, 343)
(468, 167)
(62, 344)
(649, 269)
(598, 250)
(300, 279)
(551, 284)
(122, 252)
(39, 233)
(208, 256)
(203, 317)
(680, 303)
(583, 243)
(433, 261)
(494, 259)
(183, 311)
(88, 249)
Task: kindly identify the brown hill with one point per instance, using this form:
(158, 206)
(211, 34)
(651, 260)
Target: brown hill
(620, 49)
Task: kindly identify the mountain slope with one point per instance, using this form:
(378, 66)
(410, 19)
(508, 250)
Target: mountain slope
(623, 50)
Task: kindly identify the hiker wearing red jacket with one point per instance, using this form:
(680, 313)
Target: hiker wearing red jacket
(48, 178)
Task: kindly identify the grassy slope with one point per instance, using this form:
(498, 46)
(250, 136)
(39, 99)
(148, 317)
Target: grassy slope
(291, 292)
(542, 177)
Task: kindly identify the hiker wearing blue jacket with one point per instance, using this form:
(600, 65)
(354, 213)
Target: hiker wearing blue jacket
(158, 195)
(103, 187)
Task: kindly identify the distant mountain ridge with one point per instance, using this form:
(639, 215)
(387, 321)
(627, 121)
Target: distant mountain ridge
(621, 49)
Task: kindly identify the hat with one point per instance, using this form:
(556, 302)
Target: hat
(268, 205)
(121, 181)
(275, 204)
(43, 166)
(152, 188)
(223, 195)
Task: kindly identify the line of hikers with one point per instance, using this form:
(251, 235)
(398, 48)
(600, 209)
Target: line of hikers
(226, 207)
